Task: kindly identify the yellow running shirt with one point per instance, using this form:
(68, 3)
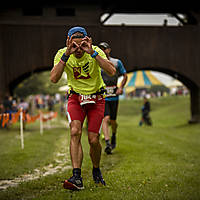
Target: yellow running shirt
(83, 74)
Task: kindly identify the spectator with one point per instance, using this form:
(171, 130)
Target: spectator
(145, 113)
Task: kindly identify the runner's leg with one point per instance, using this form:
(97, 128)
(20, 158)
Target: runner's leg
(106, 121)
(95, 114)
(76, 151)
(95, 148)
(113, 126)
(105, 127)
(76, 117)
(113, 117)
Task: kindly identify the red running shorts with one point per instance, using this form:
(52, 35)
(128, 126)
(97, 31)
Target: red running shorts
(94, 112)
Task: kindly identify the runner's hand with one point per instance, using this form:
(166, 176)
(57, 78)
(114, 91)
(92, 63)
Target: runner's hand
(119, 91)
(86, 45)
(71, 46)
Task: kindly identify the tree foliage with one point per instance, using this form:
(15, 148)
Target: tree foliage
(38, 83)
(161, 88)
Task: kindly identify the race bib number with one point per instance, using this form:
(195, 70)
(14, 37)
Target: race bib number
(86, 99)
(111, 91)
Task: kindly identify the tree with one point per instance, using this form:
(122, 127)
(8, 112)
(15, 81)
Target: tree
(38, 83)
(156, 88)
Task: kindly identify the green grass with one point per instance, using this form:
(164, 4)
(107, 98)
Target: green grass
(159, 162)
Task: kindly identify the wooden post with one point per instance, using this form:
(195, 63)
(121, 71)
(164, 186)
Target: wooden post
(21, 128)
(41, 123)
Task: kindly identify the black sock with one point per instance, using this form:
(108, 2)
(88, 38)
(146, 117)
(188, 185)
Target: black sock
(113, 134)
(96, 169)
(77, 172)
(107, 142)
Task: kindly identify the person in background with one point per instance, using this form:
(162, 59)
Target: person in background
(50, 104)
(2, 110)
(8, 108)
(112, 98)
(25, 106)
(145, 113)
(7, 104)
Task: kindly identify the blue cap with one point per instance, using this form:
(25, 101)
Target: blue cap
(77, 29)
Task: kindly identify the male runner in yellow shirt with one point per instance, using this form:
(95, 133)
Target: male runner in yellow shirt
(83, 63)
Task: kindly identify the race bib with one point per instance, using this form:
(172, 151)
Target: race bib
(86, 99)
(111, 91)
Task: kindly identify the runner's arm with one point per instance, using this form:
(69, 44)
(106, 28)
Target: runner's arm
(123, 80)
(59, 66)
(57, 72)
(120, 89)
(106, 65)
(122, 71)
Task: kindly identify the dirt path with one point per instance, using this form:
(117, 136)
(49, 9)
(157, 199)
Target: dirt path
(49, 170)
(61, 163)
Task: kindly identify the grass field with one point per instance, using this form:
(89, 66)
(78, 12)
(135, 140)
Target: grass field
(159, 162)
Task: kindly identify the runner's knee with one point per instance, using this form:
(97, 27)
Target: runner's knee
(75, 129)
(93, 139)
(106, 119)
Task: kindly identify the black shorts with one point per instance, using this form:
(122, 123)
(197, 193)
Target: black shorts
(111, 108)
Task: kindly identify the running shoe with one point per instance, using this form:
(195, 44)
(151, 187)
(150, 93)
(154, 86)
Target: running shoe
(73, 183)
(108, 149)
(97, 176)
(113, 141)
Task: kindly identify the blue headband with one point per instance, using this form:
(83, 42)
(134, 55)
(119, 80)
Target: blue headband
(75, 30)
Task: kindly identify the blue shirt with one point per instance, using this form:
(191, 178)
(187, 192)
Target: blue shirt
(112, 80)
